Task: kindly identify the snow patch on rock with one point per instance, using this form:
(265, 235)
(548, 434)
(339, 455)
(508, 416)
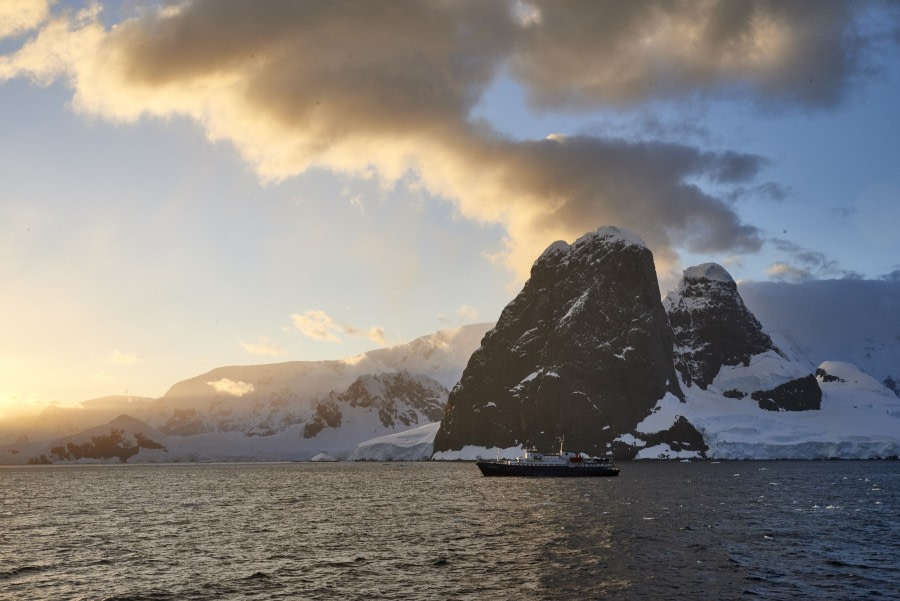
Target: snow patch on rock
(611, 234)
(667, 410)
(560, 246)
(765, 372)
(708, 271)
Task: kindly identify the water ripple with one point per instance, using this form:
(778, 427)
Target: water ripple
(828, 530)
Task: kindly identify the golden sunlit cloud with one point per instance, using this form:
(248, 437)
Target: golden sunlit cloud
(784, 271)
(18, 16)
(232, 388)
(318, 325)
(389, 87)
(375, 334)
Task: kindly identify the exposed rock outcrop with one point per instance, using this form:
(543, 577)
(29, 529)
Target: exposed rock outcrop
(398, 399)
(584, 351)
(718, 341)
(711, 325)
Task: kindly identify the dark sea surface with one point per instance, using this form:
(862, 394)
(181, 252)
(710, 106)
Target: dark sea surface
(662, 530)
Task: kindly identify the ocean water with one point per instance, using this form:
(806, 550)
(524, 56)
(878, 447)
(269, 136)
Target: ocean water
(662, 530)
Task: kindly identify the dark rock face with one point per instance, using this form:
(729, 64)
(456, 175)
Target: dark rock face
(584, 351)
(184, 422)
(802, 394)
(397, 398)
(327, 414)
(712, 327)
(826, 377)
(680, 436)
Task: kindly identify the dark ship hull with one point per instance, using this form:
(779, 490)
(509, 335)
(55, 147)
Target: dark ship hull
(582, 470)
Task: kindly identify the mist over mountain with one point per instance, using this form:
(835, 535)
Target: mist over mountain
(849, 320)
(281, 411)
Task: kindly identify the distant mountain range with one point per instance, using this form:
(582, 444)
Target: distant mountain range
(284, 411)
(587, 350)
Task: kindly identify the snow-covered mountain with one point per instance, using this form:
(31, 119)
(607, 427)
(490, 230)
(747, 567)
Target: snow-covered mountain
(583, 351)
(850, 320)
(859, 419)
(753, 370)
(56, 421)
(741, 394)
(282, 411)
(119, 440)
(711, 325)
(719, 343)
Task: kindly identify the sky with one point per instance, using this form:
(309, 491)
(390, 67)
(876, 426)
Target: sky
(188, 185)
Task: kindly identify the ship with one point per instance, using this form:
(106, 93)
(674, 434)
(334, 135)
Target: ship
(564, 464)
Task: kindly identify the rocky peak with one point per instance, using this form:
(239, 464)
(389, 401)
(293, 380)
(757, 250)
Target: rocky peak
(584, 351)
(711, 325)
(719, 342)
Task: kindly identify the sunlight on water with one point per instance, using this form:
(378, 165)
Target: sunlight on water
(782, 530)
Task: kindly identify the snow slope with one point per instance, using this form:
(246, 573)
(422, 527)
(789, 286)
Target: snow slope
(859, 419)
(411, 445)
(853, 321)
(765, 372)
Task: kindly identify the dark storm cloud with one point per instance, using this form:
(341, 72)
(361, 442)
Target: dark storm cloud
(389, 86)
(587, 53)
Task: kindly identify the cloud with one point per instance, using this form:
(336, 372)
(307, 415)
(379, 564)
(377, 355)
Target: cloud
(465, 314)
(375, 334)
(232, 388)
(389, 87)
(786, 272)
(263, 346)
(804, 264)
(768, 191)
(119, 358)
(318, 325)
(804, 52)
(19, 16)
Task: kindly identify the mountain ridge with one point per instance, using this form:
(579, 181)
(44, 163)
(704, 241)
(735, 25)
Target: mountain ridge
(814, 329)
